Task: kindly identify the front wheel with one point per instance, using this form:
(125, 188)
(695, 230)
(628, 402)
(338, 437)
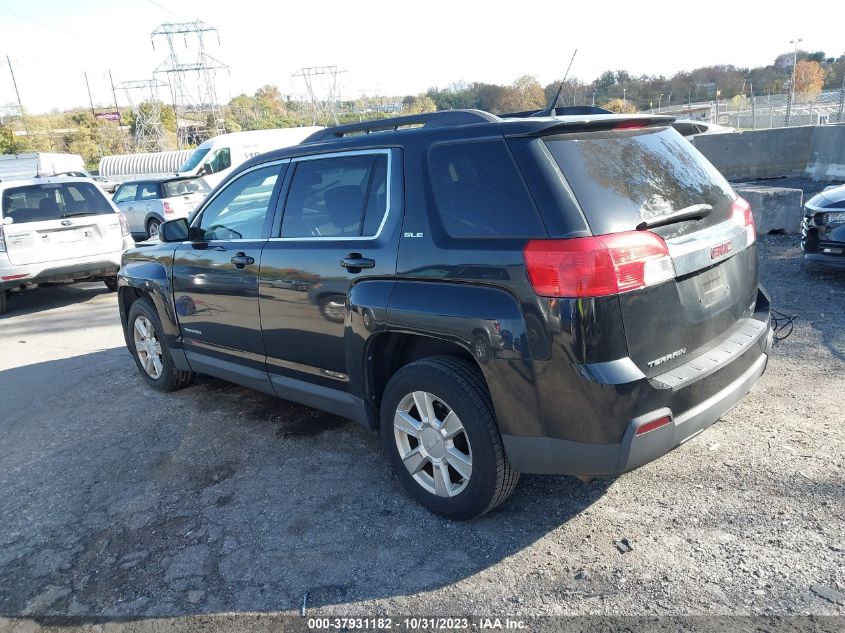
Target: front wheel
(439, 431)
(3, 301)
(149, 349)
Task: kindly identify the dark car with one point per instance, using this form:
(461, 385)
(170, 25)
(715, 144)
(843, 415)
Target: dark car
(823, 228)
(534, 294)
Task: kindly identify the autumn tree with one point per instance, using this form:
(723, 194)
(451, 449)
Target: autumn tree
(809, 77)
(420, 104)
(621, 106)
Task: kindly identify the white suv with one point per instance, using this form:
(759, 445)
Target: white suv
(58, 230)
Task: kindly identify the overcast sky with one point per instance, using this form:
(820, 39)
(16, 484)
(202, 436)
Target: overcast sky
(394, 47)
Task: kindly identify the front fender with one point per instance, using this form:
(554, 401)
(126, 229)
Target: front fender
(152, 279)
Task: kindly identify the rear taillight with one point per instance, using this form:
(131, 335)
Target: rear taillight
(597, 266)
(2, 241)
(124, 224)
(167, 208)
(742, 215)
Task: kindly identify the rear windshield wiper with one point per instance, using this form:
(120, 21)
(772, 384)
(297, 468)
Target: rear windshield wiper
(79, 213)
(692, 212)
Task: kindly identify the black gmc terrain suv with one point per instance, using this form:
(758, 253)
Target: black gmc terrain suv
(496, 294)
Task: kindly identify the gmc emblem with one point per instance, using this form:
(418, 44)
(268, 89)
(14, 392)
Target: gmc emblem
(720, 250)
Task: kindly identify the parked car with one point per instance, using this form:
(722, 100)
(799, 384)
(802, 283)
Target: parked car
(538, 294)
(823, 228)
(214, 159)
(690, 127)
(149, 202)
(103, 183)
(38, 165)
(58, 230)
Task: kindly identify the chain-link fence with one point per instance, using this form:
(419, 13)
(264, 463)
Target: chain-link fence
(779, 110)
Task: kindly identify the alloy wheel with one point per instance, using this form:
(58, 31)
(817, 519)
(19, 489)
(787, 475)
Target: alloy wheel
(147, 346)
(433, 444)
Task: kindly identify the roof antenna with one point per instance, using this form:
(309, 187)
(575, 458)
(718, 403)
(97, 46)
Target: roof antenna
(550, 110)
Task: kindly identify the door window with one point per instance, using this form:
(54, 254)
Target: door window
(340, 196)
(239, 210)
(220, 160)
(126, 193)
(148, 191)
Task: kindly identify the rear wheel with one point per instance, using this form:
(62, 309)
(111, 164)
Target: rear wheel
(440, 434)
(333, 308)
(153, 226)
(111, 283)
(150, 351)
(3, 301)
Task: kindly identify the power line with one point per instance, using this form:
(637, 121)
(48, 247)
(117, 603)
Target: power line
(163, 8)
(39, 22)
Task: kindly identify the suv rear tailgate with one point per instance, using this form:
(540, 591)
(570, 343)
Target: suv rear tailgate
(635, 179)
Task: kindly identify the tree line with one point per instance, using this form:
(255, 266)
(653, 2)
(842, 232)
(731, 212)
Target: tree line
(79, 132)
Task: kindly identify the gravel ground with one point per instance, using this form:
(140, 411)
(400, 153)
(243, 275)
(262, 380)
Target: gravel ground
(119, 504)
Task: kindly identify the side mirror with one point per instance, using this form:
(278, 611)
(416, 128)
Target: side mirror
(174, 230)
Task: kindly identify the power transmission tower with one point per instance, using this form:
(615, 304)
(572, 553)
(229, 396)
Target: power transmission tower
(142, 96)
(322, 109)
(191, 77)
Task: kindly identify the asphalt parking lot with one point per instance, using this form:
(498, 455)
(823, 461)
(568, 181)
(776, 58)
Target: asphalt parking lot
(119, 504)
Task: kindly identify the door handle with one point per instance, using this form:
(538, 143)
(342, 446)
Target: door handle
(242, 259)
(354, 262)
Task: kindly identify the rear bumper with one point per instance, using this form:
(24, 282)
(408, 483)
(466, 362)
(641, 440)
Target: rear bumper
(545, 455)
(61, 271)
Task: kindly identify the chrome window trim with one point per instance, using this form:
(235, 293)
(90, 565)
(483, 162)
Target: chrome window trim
(388, 191)
(211, 199)
(692, 252)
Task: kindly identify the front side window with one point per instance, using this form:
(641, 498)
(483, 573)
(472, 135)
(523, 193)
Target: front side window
(220, 160)
(480, 193)
(239, 210)
(38, 203)
(126, 193)
(341, 196)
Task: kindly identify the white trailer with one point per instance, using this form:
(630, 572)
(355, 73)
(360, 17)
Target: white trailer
(123, 167)
(217, 156)
(38, 165)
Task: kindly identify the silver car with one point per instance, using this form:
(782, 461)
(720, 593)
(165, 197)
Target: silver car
(149, 202)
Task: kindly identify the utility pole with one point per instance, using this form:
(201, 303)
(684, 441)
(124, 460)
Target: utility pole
(791, 104)
(90, 100)
(114, 94)
(17, 94)
(594, 98)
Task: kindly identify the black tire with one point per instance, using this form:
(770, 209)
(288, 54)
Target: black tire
(4, 301)
(153, 225)
(461, 384)
(111, 283)
(171, 378)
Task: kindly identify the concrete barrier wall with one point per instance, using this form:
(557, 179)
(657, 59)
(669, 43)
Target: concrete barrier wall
(827, 154)
(814, 151)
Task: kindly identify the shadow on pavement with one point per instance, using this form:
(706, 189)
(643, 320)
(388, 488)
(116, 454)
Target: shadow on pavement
(49, 297)
(118, 502)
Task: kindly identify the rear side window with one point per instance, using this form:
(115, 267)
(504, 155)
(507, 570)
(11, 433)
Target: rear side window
(622, 178)
(185, 187)
(53, 201)
(480, 193)
(340, 196)
(148, 191)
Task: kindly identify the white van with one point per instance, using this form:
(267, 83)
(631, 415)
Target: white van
(38, 165)
(217, 156)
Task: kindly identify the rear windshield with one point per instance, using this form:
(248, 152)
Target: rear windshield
(53, 201)
(175, 188)
(623, 178)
